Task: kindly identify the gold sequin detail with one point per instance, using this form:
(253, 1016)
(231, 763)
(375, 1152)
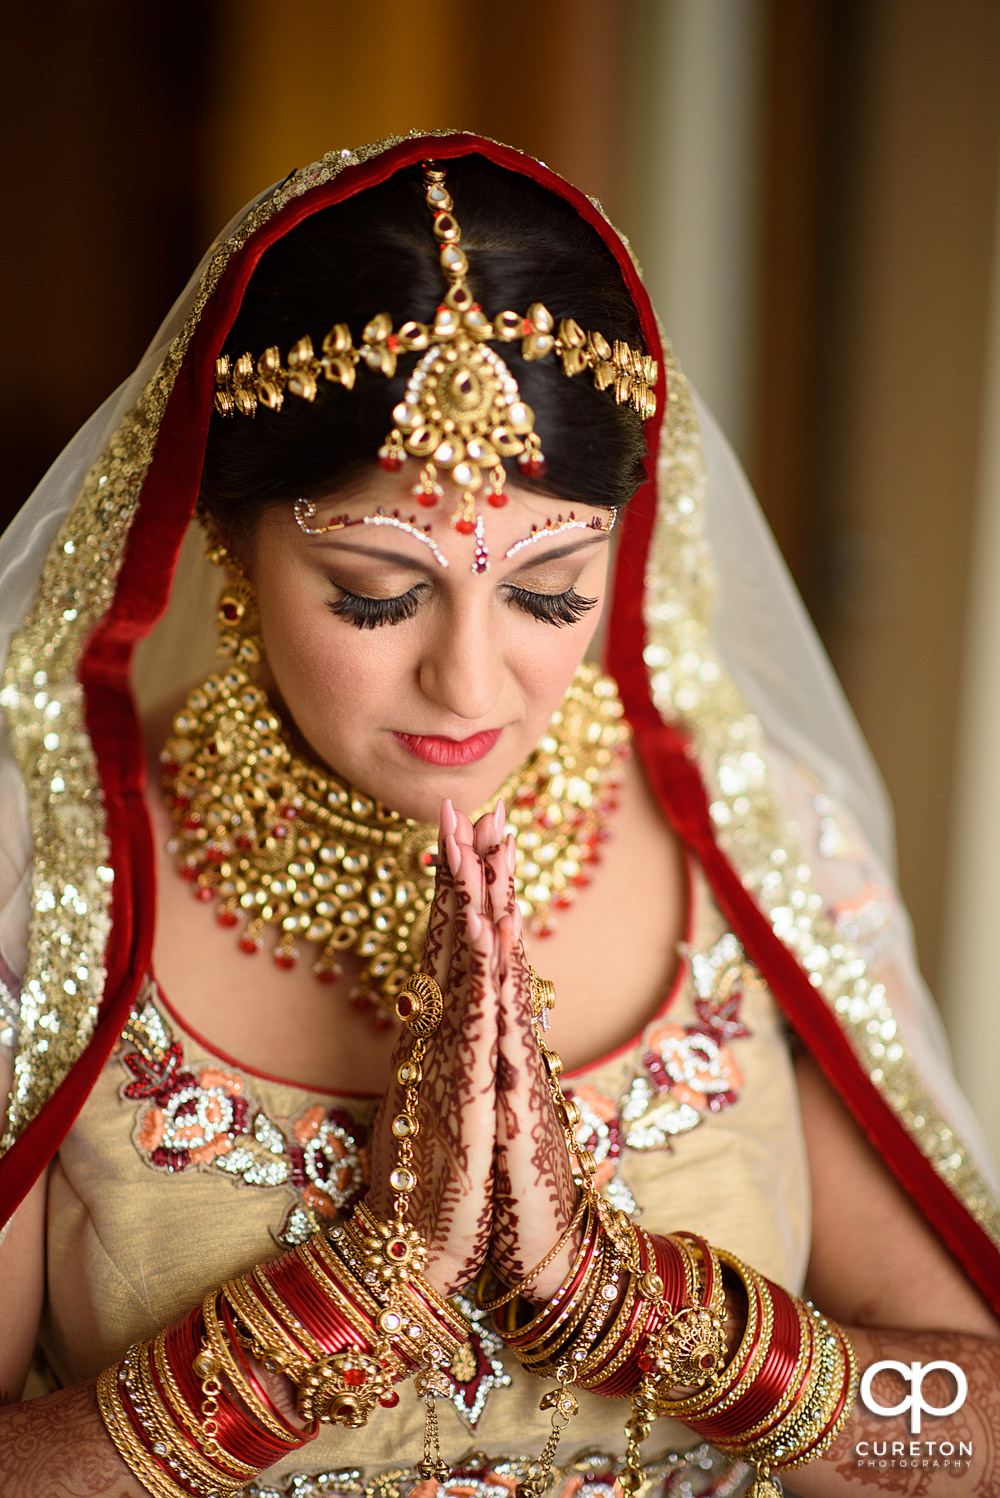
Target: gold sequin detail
(690, 683)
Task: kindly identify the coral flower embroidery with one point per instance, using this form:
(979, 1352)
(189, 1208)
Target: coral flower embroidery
(684, 1072)
(202, 1118)
(693, 1066)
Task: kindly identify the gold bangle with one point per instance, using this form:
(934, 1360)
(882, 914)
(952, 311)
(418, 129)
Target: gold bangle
(605, 1314)
(283, 1318)
(147, 1464)
(125, 1441)
(273, 1348)
(350, 1233)
(190, 1460)
(526, 1332)
(446, 1329)
(546, 1355)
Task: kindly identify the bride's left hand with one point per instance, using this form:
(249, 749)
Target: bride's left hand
(534, 1192)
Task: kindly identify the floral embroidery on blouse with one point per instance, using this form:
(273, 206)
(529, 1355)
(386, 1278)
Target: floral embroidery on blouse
(683, 1073)
(592, 1473)
(200, 1117)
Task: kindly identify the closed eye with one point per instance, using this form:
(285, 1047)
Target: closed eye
(554, 608)
(368, 613)
(365, 612)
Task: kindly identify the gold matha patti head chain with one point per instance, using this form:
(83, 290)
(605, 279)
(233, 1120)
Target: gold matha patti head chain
(462, 411)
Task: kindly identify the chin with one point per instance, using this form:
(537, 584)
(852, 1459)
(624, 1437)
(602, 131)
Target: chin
(423, 803)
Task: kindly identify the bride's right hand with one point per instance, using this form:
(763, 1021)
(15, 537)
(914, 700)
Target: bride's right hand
(453, 1150)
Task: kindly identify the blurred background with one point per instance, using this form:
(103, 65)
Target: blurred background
(812, 189)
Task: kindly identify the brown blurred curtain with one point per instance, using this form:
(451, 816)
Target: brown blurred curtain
(291, 82)
(101, 109)
(881, 159)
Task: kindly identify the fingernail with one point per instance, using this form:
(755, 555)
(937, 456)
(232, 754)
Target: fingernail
(474, 924)
(509, 850)
(499, 820)
(452, 853)
(449, 821)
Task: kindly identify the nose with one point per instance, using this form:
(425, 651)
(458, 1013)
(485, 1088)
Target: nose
(461, 667)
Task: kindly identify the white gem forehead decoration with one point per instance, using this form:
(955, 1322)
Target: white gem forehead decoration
(481, 558)
(305, 515)
(562, 523)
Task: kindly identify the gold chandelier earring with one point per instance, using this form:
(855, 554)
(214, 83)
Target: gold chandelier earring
(237, 617)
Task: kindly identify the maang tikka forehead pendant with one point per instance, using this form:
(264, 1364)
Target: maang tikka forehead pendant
(462, 411)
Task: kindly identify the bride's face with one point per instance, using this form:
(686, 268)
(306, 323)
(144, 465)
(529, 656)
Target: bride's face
(404, 664)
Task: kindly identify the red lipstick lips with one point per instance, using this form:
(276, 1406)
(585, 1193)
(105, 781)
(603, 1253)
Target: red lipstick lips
(437, 751)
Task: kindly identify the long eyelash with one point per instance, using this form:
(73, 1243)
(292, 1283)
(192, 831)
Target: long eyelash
(553, 608)
(369, 613)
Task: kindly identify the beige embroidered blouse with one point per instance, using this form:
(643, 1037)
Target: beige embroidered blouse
(185, 1168)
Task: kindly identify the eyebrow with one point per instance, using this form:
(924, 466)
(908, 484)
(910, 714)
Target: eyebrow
(377, 553)
(560, 551)
(397, 558)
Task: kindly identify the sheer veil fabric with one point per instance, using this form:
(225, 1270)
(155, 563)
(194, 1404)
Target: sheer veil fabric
(740, 724)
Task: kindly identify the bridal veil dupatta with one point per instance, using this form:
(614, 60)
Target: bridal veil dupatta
(740, 725)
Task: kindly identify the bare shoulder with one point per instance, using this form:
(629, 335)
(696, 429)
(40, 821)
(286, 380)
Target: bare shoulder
(874, 1261)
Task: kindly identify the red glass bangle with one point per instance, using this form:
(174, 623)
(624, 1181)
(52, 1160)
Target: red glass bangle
(317, 1313)
(240, 1433)
(669, 1265)
(770, 1383)
(296, 1434)
(181, 1345)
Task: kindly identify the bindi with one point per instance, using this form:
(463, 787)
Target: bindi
(562, 523)
(305, 516)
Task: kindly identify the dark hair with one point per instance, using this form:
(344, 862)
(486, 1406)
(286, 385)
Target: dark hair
(376, 253)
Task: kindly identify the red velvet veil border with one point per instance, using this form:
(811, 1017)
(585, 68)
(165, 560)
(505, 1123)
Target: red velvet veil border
(164, 511)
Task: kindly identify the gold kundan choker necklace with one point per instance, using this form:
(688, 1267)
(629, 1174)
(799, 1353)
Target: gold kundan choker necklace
(280, 842)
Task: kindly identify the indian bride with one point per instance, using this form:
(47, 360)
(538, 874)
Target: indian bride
(458, 1028)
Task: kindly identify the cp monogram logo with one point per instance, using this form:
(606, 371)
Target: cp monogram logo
(914, 1374)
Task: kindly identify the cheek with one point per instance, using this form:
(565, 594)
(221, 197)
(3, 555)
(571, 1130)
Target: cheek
(316, 659)
(544, 660)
